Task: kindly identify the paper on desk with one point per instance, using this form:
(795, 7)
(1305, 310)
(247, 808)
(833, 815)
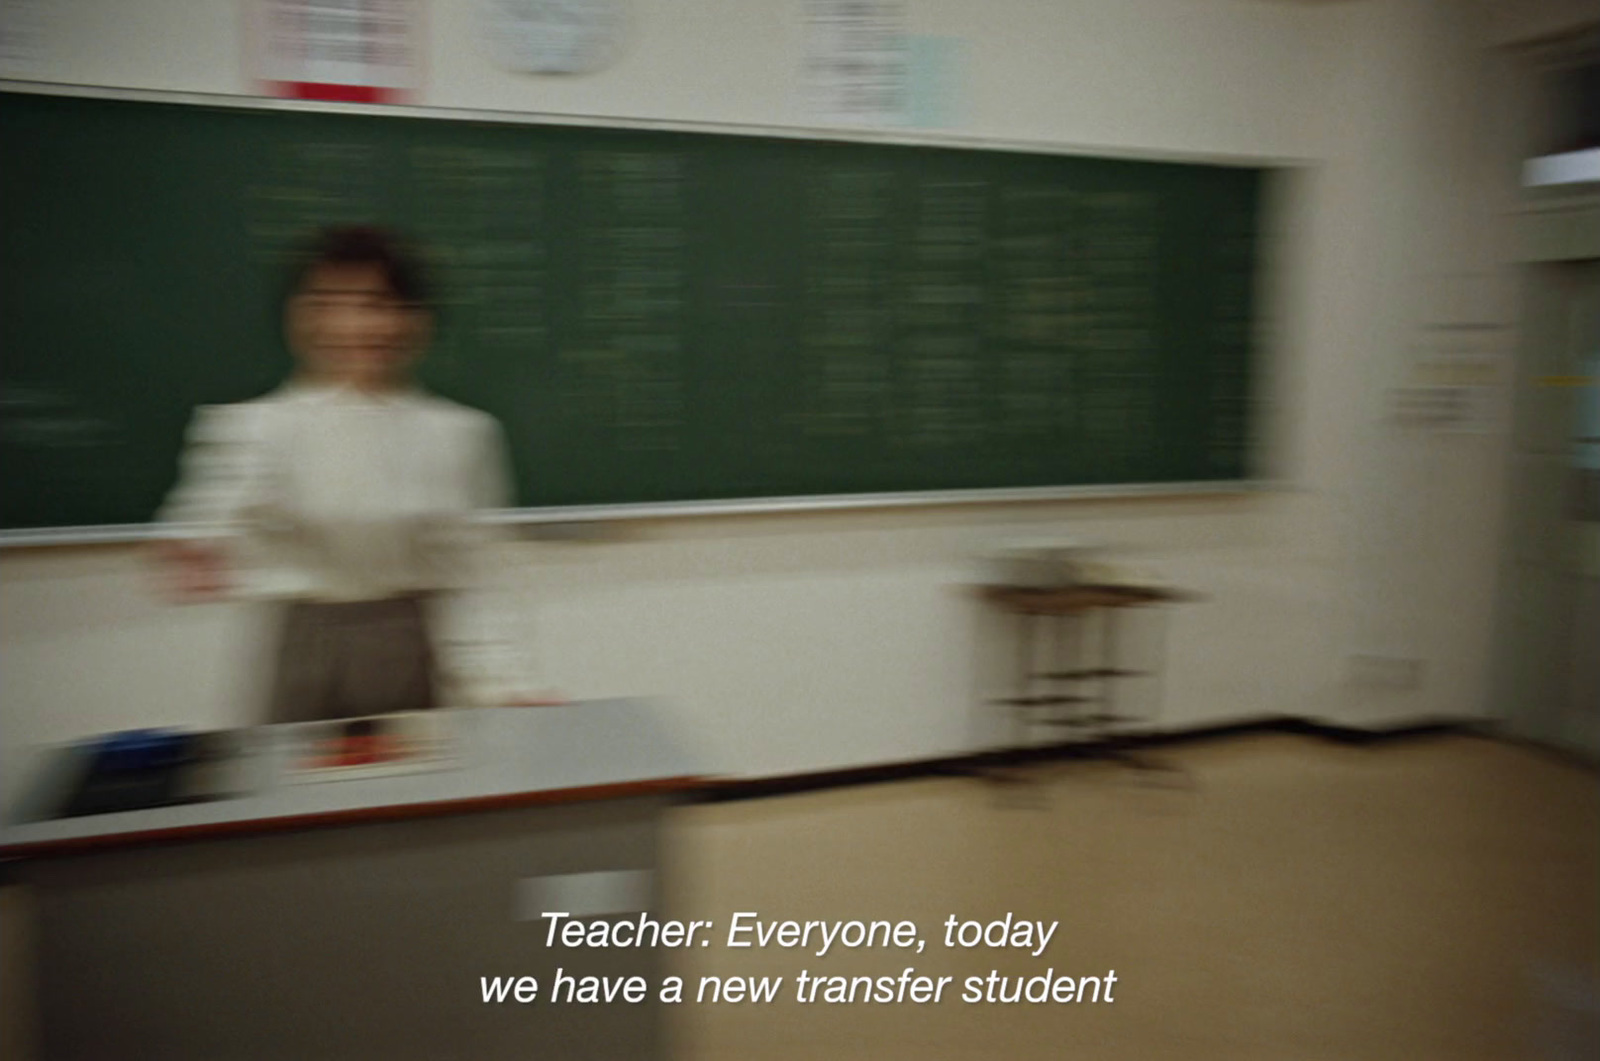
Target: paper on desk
(422, 741)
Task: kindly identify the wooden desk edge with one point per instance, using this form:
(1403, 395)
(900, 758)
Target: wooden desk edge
(324, 819)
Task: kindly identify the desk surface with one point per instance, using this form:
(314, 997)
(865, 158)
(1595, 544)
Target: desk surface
(603, 749)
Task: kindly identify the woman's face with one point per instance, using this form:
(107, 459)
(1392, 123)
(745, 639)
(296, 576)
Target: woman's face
(350, 328)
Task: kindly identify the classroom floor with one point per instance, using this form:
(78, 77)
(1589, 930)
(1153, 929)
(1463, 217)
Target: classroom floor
(1286, 899)
(1276, 898)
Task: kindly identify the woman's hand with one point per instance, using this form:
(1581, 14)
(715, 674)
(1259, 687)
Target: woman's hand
(192, 572)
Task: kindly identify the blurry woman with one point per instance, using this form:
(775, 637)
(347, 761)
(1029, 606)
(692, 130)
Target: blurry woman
(355, 497)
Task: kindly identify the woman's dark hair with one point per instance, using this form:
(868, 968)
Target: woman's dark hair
(367, 246)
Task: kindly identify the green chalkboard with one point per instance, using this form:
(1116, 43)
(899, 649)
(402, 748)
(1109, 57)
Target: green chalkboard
(654, 316)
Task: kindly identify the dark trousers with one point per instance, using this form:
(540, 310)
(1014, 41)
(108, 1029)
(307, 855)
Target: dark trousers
(346, 660)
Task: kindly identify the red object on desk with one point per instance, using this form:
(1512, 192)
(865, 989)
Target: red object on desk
(359, 750)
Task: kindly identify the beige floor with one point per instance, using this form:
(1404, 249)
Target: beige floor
(1437, 899)
(1430, 901)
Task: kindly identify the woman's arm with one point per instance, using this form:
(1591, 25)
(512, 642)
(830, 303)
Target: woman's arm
(486, 645)
(222, 480)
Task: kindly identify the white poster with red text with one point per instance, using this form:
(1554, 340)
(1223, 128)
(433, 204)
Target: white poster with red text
(351, 51)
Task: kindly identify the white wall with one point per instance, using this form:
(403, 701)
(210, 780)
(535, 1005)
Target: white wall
(788, 643)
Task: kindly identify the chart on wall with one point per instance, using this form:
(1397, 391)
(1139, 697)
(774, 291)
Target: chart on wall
(655, 316)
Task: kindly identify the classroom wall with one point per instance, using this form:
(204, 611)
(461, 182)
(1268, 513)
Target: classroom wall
(802, 642)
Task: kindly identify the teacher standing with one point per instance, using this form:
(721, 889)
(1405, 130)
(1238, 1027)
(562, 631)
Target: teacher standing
(356, 499)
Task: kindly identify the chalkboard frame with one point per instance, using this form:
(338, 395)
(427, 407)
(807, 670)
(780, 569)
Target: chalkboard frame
(1274, 169)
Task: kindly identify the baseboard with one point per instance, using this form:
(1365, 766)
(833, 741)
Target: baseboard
(722, 791)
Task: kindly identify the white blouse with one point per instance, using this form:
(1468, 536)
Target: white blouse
(328, 494)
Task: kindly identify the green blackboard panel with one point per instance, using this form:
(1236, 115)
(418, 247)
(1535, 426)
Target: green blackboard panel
(655, 316)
